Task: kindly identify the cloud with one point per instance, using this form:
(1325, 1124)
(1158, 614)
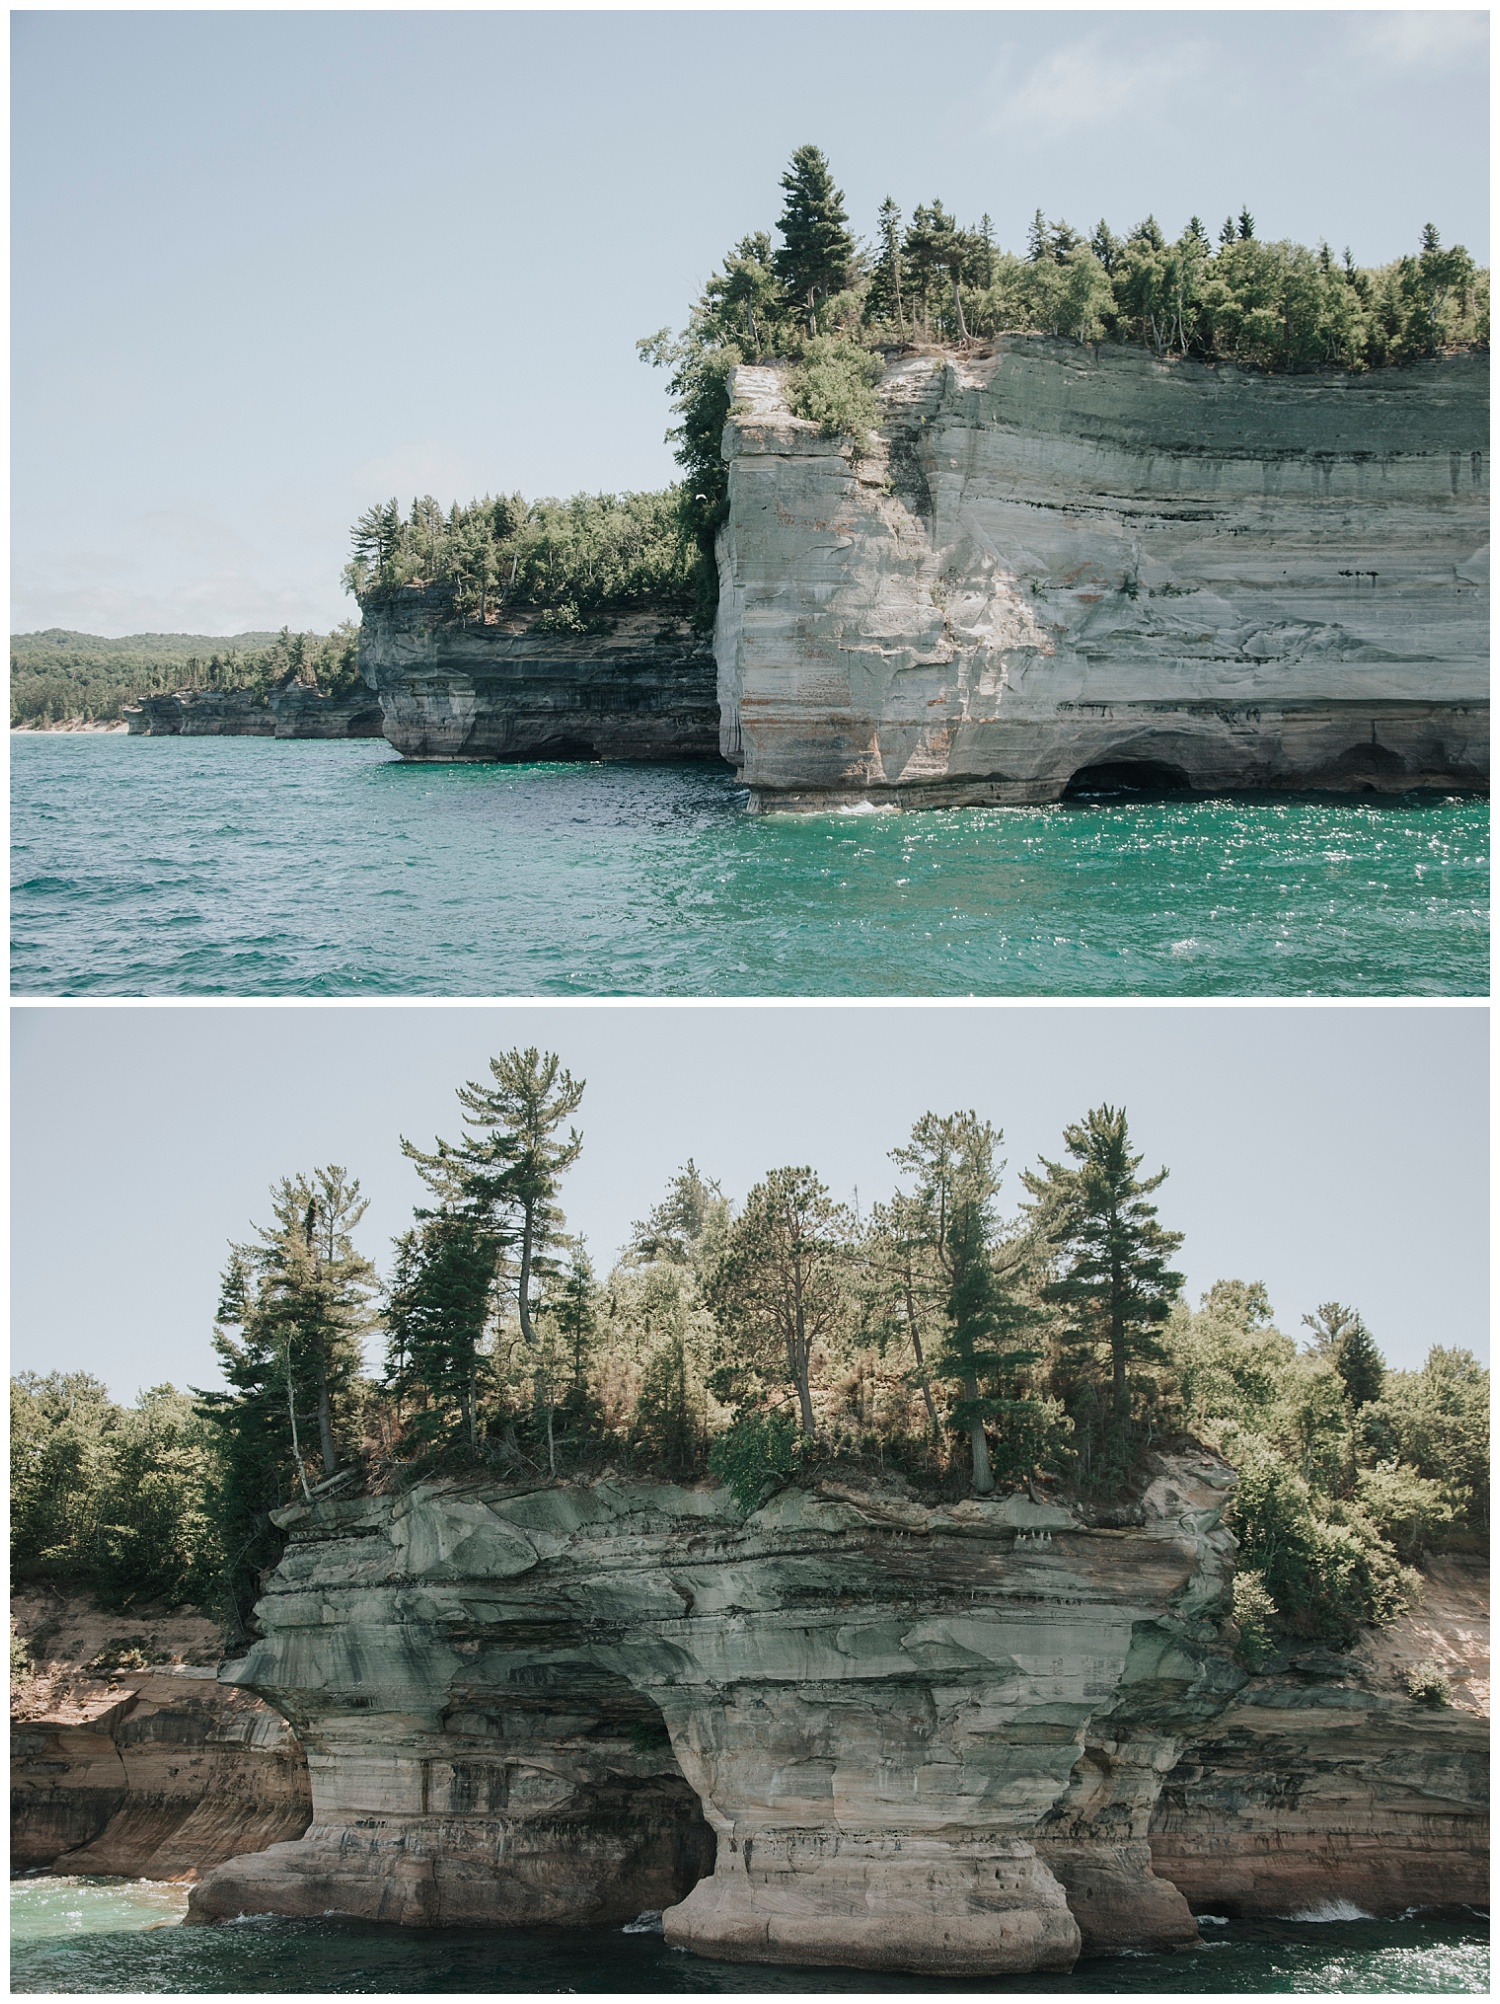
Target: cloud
(1428, 40)
(1087, 85)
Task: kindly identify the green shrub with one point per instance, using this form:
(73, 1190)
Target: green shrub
(1254, 1612)
(834, 385)
(1426, 1683)
(759, 1452)
(1325, 1566)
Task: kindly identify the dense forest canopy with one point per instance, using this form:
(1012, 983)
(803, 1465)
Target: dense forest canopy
(57, 676)
(563, 566)
(835, 307)
(932, 1340)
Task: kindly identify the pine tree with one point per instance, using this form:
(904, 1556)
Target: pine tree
(293, 1308)
(1116, 1288)
(1246, 226)
(1036, 238)
(985, 251)
(1227, 232)
(438, 1314)
(884, 300)
(778, 1284)
(692, 1212)
(1339, 1334)
(818, 255)
(987, 1352)
(506, 1172)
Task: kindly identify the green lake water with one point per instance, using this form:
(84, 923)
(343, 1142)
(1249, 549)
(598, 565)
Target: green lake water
(242, 866)
(95, 1935)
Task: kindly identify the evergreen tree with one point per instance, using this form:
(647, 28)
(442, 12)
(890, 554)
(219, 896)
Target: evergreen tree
(293, 1308)
(1036, 238)
(1357, 1359)
(818, 256)
(778, 1285)
(1116, 1288)
(668, 1430)
(506, 1172)
(1227, 232)
(437, 1316)
(884, 300)
(985, 251)
(693, 1211)
(905, 1288)
(989, 1349)
(746, 298)
(1246, 226)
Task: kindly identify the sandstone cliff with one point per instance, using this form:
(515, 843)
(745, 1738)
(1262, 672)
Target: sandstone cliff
(1324, 1784)
(1053, 566)
(153, 1771)
(850, 1729)
(460, 689)
(295, 712)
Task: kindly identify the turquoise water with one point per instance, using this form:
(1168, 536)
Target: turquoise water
(241, 866)
(72, 1935)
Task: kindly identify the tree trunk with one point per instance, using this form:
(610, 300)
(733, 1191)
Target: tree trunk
(523, 1287)
(916, 1344)
(958, 308)
(800, 1364)
(984, 1475)
(291, 1408)
(325, 1421)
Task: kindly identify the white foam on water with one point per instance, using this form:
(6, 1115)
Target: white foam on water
(1330, 1910)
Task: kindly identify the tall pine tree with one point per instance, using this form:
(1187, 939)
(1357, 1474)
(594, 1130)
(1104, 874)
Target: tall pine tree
(1115, 1288)
(818, 256)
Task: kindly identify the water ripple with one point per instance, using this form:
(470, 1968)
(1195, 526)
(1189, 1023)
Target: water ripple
(249, 867)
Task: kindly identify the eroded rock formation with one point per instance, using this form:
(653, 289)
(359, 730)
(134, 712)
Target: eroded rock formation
(850, 1729)
(1324, 1784)
(156, 1771)
(1054, 560)
(294, 712)
(462, 689)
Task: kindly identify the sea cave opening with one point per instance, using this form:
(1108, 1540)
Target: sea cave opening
(1114, 777)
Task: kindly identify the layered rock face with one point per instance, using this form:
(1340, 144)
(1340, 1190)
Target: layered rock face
(1054, 567)
(1325, 1785)
(461, 689)
(848, 1730)
(296, 712)
(153, 1773)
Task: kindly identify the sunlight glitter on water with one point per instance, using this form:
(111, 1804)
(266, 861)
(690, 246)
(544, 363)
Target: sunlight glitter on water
(220, 866)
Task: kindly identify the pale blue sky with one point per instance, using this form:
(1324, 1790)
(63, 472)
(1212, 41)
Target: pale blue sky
(270, 267)
(1335, 1153)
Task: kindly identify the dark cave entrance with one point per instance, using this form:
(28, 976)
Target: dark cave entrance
(1114, 778)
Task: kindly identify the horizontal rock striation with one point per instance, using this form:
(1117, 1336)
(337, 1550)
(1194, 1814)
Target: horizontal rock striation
(1058, 568)
(1324, 1786)
(462, 689)
(154, 1773)
(848, 1730)
(295, 712)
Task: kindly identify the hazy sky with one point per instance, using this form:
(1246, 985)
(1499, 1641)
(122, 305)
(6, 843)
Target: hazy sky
(1335, 1153)
(270, 267)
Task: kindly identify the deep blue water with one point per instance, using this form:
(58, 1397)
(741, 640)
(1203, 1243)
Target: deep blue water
(242, 866)
(72, 1935)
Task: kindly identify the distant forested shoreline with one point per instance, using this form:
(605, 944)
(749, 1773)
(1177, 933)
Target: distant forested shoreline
(57, 676)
